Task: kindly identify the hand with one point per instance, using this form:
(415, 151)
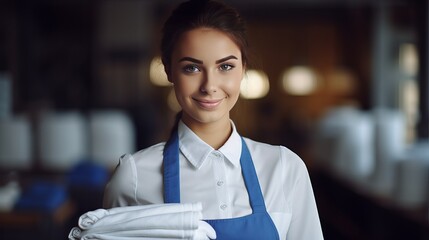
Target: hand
(204, 232)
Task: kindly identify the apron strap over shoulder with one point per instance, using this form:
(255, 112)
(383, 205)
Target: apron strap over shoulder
(171, 170)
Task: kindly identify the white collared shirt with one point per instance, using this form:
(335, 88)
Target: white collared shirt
(214, 178)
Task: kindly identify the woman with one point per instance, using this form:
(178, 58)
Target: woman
(248, 189)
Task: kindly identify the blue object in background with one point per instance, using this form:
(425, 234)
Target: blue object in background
(85, 183)
(88, 174)
(42, 196)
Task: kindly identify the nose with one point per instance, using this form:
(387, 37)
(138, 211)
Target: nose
(208, 85)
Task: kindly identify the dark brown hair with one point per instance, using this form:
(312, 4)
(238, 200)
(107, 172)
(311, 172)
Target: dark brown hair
(202, 13)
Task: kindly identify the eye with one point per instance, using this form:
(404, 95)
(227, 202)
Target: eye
(226, 67)
(191, 69)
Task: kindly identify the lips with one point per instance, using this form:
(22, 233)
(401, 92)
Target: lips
(208, 104)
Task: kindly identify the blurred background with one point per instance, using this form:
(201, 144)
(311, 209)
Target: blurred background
(343, 83)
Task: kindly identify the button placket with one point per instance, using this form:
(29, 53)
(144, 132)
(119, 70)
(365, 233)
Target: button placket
(220, 180)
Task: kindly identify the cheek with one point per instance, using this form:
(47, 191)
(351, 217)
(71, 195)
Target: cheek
(185, 87)
(233, 86)
(235, 89)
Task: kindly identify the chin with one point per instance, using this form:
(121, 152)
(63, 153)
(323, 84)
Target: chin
(206, 118)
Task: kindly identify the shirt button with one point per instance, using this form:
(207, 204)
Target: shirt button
(219, 183)
(216, 154)
(223, 206)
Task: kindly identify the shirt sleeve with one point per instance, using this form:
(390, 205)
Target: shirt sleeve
(121, 190)
(305, 223)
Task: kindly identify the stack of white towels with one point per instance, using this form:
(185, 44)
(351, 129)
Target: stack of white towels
(155, 221)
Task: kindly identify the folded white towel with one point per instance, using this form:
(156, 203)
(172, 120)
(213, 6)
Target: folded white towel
(156, 221)
(139, 234)
(120, 214)
(75, 233)
(169, 221)
(204, 232)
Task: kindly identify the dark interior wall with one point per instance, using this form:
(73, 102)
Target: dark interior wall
(54, 53)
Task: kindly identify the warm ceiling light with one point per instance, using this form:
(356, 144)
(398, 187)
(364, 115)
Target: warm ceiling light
(408, 59)
(254, 85)
(157, 73)
(299, 80)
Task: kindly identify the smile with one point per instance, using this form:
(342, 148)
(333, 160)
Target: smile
(208, 104)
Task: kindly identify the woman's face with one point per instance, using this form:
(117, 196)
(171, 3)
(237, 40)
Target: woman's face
(206, 70)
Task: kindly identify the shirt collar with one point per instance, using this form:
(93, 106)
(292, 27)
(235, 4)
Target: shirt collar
(196, 150)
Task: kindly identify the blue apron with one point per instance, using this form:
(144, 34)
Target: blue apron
(257, 225)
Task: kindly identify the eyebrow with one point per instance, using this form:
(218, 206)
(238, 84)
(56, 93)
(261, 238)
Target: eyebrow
(226, 59)
(190, 59)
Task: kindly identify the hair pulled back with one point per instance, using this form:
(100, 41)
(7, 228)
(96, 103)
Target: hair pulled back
(202, 13)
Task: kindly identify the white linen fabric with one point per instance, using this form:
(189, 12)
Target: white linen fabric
(213, 177)
(156, 221)
(117, 215)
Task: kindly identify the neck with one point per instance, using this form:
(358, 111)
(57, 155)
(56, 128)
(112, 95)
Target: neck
(214, 134)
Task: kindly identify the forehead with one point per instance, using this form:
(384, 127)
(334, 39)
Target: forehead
(205, 43)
